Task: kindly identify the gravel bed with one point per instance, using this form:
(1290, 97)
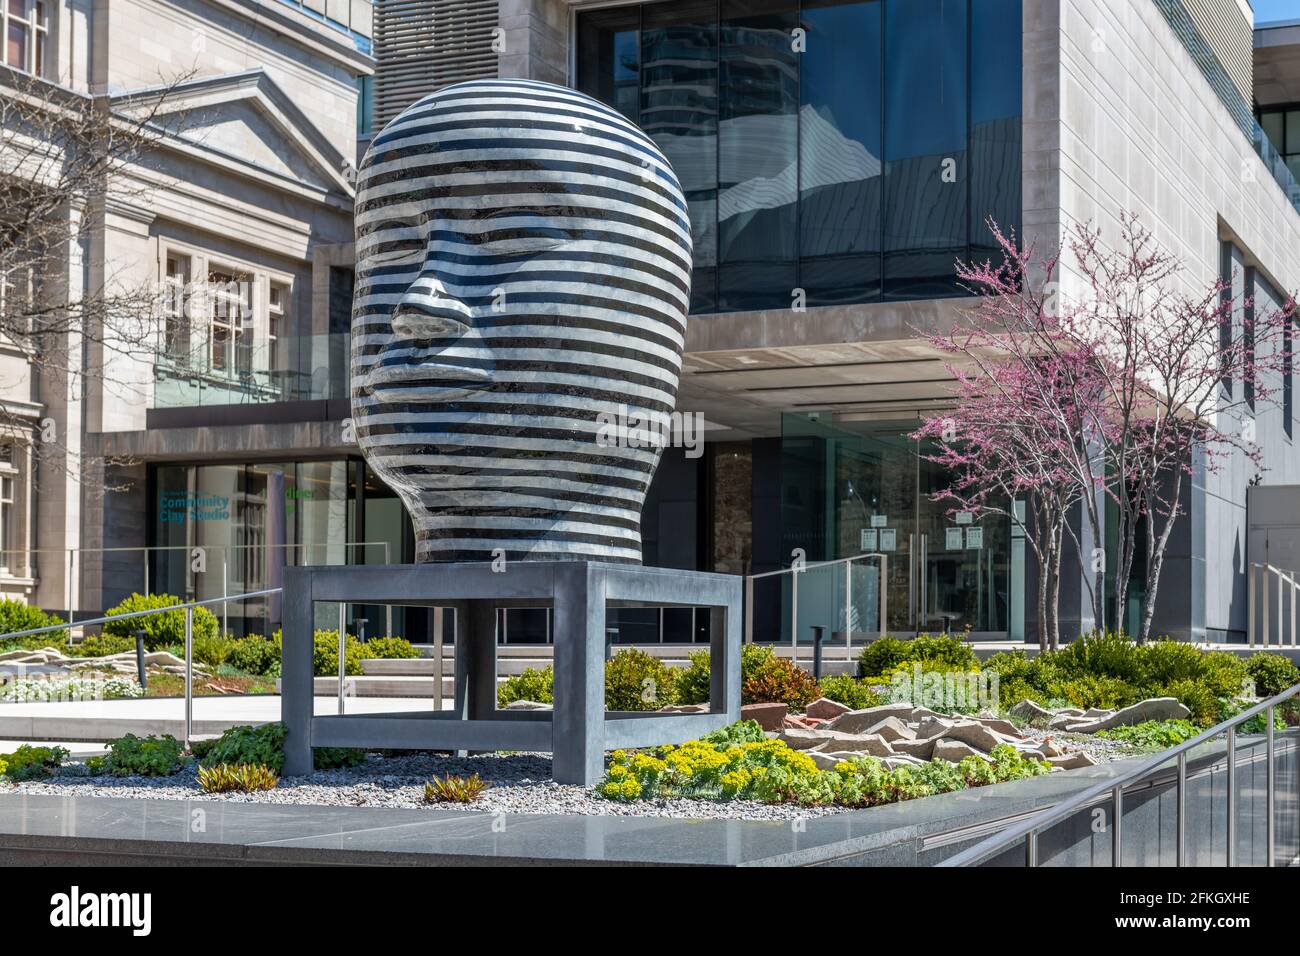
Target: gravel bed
(520, 783)
(1099, 748)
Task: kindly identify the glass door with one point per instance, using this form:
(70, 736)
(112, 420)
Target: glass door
(856, 488)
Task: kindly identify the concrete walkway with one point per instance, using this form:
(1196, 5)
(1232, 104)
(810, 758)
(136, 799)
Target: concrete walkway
(98, 720)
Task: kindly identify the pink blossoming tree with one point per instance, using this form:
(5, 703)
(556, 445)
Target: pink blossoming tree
(1117, 389)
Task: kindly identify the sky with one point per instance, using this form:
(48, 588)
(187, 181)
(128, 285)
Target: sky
(1266, 10)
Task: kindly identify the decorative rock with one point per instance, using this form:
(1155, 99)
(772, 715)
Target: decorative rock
(921, 749)
(800, 722)
(891, 729)
(1001, 726)
(901, 760)
(1072, 761)
(827, 760)
(1154, 708)
(1049, 749)
(921, 713)
(826, 709)
(974, 734)
(1028, 710)
(797, 739)
(527, 705)
(872, 744)
(1061, 721)
(856, 721)
(953, 751)
(1093, 713)
(685, 709)
(933, 727)
(769, 716)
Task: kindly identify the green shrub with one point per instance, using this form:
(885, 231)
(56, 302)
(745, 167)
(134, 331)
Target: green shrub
(256, 655)
(143, 756)
(1255, 725)
(325, 654)
(850, 692)
(32, 763)
(880, 655)
(1100, 655)
(160, 629)
(238, 778)
(1011, 666)
(453, 789)
(332, 758)
(102, 645)
(389, 648)
(693, 680)
(778, 680)
(944, 649)
(262, 745)
(212, 650)
(535, 685)
(1272, 673)
(635, 680)
(1196, 697)
(1153, 734)
(1090, 690)
(201, 748)
(17, 616)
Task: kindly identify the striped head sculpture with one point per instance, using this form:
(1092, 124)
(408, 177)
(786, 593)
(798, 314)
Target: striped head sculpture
(522, 282)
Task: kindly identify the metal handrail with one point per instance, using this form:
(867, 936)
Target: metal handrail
(794, 571)
(125, 615)
(1029, 829)
(1263, 570)
(188, 608)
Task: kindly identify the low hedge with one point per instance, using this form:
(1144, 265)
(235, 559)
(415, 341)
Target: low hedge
(161, 630)
(17, 616)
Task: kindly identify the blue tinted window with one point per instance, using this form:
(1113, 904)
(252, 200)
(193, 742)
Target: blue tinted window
(679, 110)
(995, 123)
(925, 146)
(757, 155)
(608, 60)
(850, 148)
(839, 152)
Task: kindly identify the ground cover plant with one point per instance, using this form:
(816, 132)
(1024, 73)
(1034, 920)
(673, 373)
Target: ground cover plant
(32, 763)
(741, 763)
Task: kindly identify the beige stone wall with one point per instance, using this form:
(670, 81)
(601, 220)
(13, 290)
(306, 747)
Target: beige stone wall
(267, 221)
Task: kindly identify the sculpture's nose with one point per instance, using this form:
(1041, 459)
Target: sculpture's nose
(428, 312)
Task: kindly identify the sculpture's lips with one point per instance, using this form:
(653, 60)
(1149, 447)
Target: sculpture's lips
(431, 375)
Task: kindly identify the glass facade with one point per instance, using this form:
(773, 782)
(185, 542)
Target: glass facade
(232, 529)
(851, 149)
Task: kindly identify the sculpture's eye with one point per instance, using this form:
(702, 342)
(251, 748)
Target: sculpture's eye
(396, 244)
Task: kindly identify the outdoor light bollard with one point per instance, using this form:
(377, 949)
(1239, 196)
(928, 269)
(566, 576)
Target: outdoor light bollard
(818, 630)
(139, 658)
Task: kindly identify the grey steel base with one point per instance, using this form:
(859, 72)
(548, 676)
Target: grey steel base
(579, 730)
